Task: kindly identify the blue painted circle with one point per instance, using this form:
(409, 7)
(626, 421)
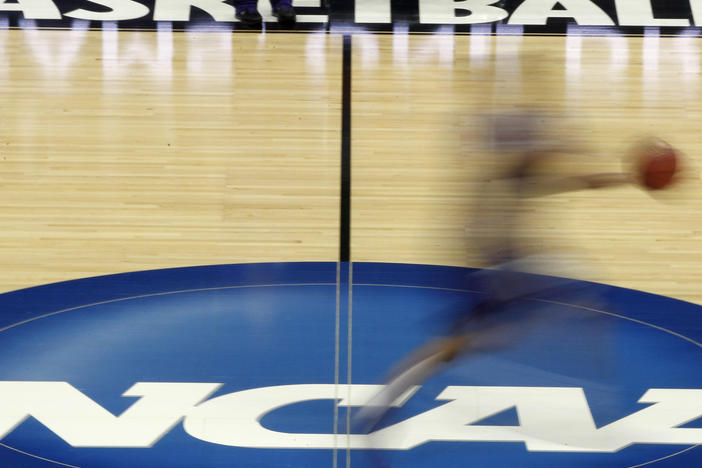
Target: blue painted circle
(260, 325)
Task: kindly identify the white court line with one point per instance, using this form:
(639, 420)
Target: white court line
(336, 361)
(664, 458)
(348, 357)
(50, 314)
(37, 456)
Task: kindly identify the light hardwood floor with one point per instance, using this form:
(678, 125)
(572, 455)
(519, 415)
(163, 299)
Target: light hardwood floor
(125, 151)
(138, 150)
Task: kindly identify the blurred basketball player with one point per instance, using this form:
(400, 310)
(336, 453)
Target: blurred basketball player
(520, 143)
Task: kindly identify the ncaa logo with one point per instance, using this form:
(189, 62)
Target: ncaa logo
(248, 365)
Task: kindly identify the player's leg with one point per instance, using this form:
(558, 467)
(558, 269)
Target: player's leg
(419, 367)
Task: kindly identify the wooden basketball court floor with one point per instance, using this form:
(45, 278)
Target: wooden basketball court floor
(134, 150)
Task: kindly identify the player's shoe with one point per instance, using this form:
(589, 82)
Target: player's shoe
(285, 13)
(249, 17)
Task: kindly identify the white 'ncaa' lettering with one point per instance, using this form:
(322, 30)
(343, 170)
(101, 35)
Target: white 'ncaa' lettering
(553, 419)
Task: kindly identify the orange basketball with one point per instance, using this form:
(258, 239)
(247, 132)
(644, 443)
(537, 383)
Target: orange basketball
(658, 164)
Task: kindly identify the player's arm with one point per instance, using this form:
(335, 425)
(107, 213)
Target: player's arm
(542, 186)
(605, 179)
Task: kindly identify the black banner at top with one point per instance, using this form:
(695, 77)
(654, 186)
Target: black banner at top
(462, 16)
